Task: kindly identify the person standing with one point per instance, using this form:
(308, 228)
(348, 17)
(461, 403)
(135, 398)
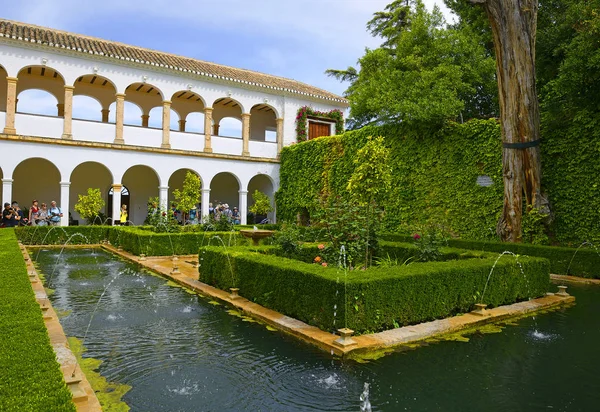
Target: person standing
(236, 216)
(42, 219)
(123, 219)
(34, 212)
(8, 215)
(55, 214)
(19, 216)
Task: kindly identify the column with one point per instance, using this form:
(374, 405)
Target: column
(68, 113)
(120, 106)
(64, 202)
(182, 125)
(105, 113)
(243, 206)
(245, 133)
(279, 123)
(216, 129)
(145, 120)
(6, 191)
(205, 202)
(163, 197)
(116, 204)
(166, 121)
(11, 105)
(207, 130)
(60, 109)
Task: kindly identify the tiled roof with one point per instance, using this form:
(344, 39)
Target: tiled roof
(123, 52)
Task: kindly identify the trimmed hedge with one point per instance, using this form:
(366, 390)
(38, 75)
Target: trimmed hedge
(136, 241)
(51, 235)
(584, 263)
(30, 377)
(378, 299)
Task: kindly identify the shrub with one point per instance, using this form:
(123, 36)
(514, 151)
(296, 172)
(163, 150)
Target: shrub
(30, 377)
(90, 205)
(376, 299)
(51, 235)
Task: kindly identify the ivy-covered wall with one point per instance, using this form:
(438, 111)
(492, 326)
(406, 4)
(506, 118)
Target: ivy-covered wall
(435, 177)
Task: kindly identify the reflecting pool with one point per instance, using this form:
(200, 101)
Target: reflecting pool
(181, 352)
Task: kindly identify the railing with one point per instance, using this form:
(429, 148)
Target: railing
(38, 125)
(95, 131)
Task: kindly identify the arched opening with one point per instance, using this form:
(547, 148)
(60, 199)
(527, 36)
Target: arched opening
(86, 108)
(264, 184)
(224, 188)
(36, 178)
(132, 114)
(186, 102)
(125, 200)
(40, 78)
(35, 101)
(227, 118)
(147, 97)
(263, 124)
(3, 88)
(90, 175)
(176, 183)
(155, 119)
(142, 183)
(99, 88)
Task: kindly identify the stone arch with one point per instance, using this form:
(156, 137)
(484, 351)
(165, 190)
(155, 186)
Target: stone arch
(143, 182)
(42, 78)
(36, 178)
(146, 96)
(225, 107)
(263, 183)
(263, 123)
(3, 88)
(89, 174)
(37, 101)
(185, 102)
(224, 188)
(98, 87)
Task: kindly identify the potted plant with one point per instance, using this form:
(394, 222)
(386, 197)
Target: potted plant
(261, 206)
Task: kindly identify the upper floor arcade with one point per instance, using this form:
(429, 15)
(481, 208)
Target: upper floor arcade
(66, 86)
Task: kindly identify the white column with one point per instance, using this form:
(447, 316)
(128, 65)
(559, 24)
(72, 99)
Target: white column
(64, 203)
(163, 197)
(243, 206)
(116, 204)
(205, 202)
(6, 191)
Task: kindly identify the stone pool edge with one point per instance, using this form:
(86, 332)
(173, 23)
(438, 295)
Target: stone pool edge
(186, 273)
(84, 397)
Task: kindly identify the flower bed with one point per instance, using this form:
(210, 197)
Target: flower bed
(30, 377)
(372, 300)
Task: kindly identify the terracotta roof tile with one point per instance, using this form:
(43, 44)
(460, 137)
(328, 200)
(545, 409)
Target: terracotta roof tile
(85, 44)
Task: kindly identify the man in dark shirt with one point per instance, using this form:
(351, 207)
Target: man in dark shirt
(8, 215)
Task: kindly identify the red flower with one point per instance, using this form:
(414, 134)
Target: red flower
(164, 213)
(416, 236)
(318, 259)
(324, 264)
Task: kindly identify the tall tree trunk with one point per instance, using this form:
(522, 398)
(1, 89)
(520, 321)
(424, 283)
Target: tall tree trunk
(514, 24)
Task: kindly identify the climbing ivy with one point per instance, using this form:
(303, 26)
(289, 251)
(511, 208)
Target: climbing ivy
(306, 111)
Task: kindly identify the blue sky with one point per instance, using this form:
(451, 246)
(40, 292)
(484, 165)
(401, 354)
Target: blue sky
(298, 40)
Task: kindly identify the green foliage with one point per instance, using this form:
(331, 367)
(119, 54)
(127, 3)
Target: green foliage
(211, 224)
(288, 239)
(433, 177)
(50, 235)
(377, 299)
(90, 205)
(423, 74)
(302, 121)
(534, 231)
(262, 203)
(371, 179)
(30, 377)
(428, 242)
(189, 196)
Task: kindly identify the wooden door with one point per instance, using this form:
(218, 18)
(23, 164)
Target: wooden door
(316, 129)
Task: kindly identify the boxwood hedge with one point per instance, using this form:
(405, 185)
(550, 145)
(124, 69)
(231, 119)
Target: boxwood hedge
(30, 377)
(563, 260)
(372, 300)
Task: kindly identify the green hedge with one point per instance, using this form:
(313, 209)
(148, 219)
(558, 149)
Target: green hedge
(30, 377)
(377, 299)
(584, 263)
(51, 235)
(137, 241)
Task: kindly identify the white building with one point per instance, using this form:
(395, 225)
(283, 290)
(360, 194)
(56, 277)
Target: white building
(156, 116)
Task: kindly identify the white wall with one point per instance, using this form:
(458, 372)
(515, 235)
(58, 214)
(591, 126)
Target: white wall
(187, 141)
(93, 131)
(84, 177)
(36, 179)
(38, 125)
(227, 145)
(142, 136)
(263, 149)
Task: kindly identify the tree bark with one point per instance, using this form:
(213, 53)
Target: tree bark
(514, 24)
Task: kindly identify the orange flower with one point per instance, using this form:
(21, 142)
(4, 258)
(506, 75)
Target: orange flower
(321, 246)
(318, 259)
